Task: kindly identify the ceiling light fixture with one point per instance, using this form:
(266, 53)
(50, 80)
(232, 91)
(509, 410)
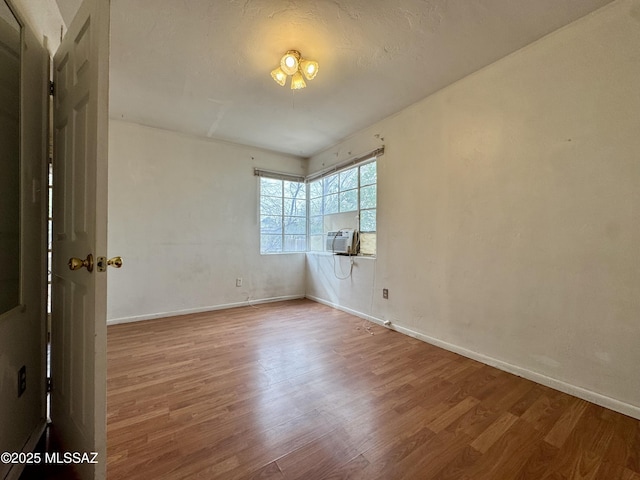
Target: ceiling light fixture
(292, 64)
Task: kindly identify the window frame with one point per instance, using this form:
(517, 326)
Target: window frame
(353, 163)
(282, 215)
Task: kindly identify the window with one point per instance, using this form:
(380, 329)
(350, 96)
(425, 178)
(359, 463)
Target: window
(345, 199)
(283, 215)
(341, 197)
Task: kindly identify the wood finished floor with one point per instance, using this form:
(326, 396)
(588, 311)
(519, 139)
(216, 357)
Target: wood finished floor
(297, 390)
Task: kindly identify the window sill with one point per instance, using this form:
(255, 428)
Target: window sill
(330, 254)
(282, 253)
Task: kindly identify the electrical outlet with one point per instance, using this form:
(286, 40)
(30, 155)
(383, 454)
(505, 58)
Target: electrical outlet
(385, 293)
(22, 380)
(239, 282)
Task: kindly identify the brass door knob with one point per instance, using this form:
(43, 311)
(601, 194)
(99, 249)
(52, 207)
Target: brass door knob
(103, 263)
(78, 263)
(115, 262)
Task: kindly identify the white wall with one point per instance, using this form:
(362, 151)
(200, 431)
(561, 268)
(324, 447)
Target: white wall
(183, 214)
(508, 213)
(22, 330)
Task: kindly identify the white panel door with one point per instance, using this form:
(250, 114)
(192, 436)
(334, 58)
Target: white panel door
(78, 341)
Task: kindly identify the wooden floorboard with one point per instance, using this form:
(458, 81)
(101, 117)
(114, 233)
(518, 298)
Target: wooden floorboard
(298, 390)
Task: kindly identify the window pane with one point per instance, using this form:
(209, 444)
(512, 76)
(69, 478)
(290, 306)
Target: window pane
(349, 201)
(315, 206)
(349, 179)
(295, 207)
(271, 187)
(368, 174)
(270, 205)
(295, 243)
(331, 204)
(331, 184)
(316, 225)
(368, 220)
(271, 225)
(368, 197)
(295, 190)
(316, 243)
(295, 225)
(270, 243)
(315, 189)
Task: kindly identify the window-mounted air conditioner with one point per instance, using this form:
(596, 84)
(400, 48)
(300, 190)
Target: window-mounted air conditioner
(342, 241)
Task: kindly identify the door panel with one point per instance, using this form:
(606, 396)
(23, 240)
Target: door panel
(78, 341)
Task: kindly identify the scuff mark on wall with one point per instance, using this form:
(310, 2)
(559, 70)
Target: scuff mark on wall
(223, 106)
(604, 356)
(544, 360)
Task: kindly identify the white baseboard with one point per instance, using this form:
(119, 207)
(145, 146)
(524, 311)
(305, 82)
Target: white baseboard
(583, 393)
(153, 316)
(346, 309)
(15, 470)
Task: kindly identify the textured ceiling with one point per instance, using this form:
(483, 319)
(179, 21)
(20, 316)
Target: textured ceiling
(202, 66)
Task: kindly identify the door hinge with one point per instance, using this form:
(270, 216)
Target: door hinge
(49, 384)
(52, 88)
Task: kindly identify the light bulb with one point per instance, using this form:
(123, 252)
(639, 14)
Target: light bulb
(309, 68)
(297, 81)
(290, 61)
(279, 76)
